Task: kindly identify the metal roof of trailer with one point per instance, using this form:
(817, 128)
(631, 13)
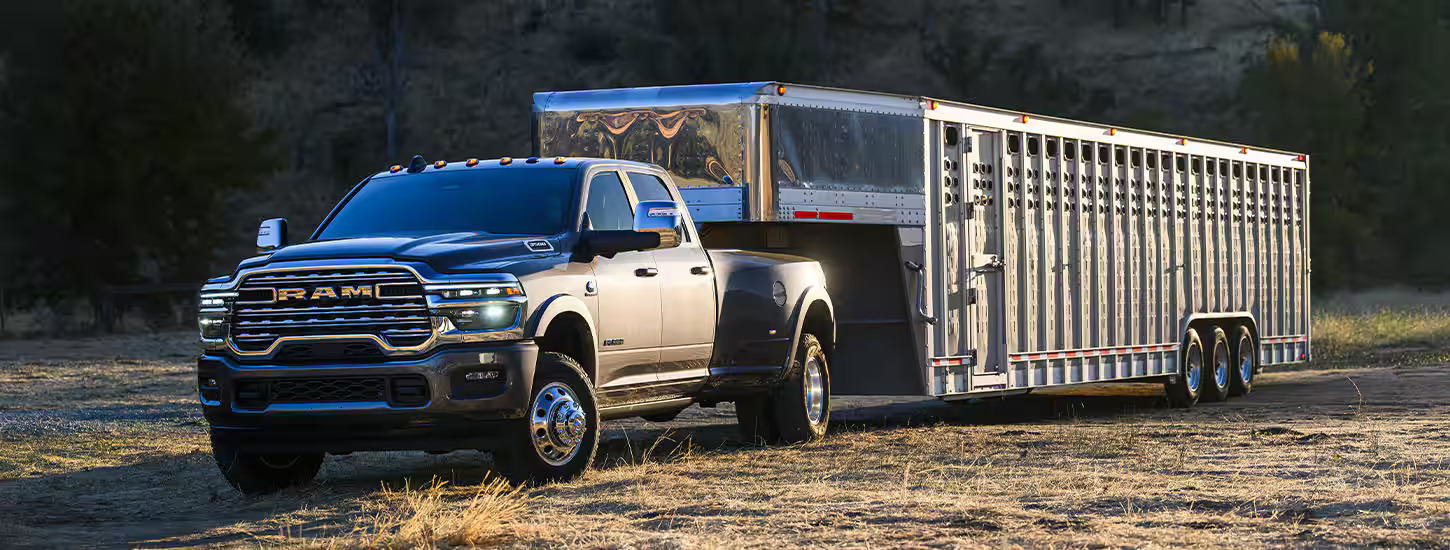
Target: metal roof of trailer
(811, 95)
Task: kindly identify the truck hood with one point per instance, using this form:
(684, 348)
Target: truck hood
(444, 253)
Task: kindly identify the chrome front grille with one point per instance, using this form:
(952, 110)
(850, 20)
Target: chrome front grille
(387, 303)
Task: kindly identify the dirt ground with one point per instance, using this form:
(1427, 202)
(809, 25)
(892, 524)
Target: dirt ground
(101, 444)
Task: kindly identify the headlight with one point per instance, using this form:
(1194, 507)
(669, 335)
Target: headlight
(482, 317)
(476, 307)
(214, 308)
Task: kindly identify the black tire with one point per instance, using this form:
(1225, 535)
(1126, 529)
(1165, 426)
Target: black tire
(546, 445)
(1246, 352)
(1219, 372)
(756, 416)
(1184, 388)
(256, 474)
(803, 402)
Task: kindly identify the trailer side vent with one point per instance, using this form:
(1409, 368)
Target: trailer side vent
(1014, 143)
(1052, 148)
(1032, 146)
(1103, 154)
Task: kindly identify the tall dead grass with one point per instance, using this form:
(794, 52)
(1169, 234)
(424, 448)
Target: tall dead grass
(1382, 327)
(437, 515)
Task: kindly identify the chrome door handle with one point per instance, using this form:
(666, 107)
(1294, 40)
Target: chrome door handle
(921, 293)
(646, 272)
(700, 270)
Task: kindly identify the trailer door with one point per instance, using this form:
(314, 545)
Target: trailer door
(968, 333)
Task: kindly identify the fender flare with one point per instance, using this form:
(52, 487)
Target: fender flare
(555, 306)
(810, 296)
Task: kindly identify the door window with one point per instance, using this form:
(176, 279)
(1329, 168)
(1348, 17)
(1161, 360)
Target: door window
(608, 206)
(649, 187)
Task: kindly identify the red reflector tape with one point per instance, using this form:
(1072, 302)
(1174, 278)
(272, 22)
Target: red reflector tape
(837, 215)
(803, 215)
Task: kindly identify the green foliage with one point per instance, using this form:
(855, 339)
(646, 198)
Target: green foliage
(125, 130)
(1365, 95)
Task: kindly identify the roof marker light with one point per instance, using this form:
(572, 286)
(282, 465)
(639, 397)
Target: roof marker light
(396, 168)
(1244, 151)
(505, 161)
(558, 160)
(440, 164)
(532, 160)
(1183, 141)
(933, 104)
(780, 90)
(471, 162)
(1025, 119)
(1112, 131)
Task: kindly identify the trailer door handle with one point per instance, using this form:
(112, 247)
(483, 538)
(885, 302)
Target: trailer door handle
(700, 270)
(646, 272)
(921, 293)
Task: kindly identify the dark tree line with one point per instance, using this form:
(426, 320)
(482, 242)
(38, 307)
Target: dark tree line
(140, 140)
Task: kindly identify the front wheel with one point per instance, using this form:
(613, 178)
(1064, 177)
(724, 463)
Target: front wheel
(558, 438)
(256, 474)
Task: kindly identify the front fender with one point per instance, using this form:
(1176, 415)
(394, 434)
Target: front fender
(555, 306)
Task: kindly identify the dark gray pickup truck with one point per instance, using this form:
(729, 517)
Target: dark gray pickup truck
(506, 305)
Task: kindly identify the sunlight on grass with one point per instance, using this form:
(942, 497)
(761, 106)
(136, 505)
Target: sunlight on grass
(1383, 326)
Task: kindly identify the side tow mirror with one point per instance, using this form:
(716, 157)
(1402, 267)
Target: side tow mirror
(662, 217)
(609, 243)
(271, 235)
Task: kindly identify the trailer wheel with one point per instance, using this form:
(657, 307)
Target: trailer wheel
(1183, 388)
(1216, 383)
(558, 438)
(1247, 354)
(255, 474)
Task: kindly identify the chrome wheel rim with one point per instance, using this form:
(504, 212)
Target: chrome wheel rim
(1194, 368)
(557, 423)
(1220, 366)
(1246, 367)
(815, 390)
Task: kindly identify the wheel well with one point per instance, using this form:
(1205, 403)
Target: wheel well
(1230, 326)
(569, 334)
(820, 323)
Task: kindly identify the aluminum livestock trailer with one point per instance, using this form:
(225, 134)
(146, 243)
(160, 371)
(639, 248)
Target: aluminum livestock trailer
(975, 251)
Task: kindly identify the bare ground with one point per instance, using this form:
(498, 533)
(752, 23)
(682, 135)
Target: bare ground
(101, 444)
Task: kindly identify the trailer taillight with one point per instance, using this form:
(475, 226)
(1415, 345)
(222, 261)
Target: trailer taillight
(1301, 158)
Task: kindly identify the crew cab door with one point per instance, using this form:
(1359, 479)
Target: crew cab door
(628, 319)
(687, 293)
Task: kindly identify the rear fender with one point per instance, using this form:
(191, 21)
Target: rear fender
(810, 297)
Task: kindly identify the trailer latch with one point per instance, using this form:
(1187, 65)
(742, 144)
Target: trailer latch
(994, 263)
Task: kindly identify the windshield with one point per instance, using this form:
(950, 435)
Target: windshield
(533, 201)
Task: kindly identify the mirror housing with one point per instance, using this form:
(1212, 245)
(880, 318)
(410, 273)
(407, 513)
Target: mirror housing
(271, 235)
(661, 217)
(609, 243)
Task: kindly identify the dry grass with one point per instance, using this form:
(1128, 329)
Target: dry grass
(1351, 456)
(1385, 327)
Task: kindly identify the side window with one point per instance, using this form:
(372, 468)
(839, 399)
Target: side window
(649, 187)
(608, 206)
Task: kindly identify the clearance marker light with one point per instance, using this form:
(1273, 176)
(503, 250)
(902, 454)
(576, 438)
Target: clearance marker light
(396, 168)
(505, 161)
(440, 164)
(780, 90)
(558, 160)
(1025, 119)
(471, 162)
(1301, 158)
(933, 105)
(1112, 131)
(1183, 142)
(1244, 151)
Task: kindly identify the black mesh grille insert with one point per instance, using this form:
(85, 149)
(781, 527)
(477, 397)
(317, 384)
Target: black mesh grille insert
(407, 390)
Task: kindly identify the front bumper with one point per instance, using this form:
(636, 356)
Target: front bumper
(269, 408)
